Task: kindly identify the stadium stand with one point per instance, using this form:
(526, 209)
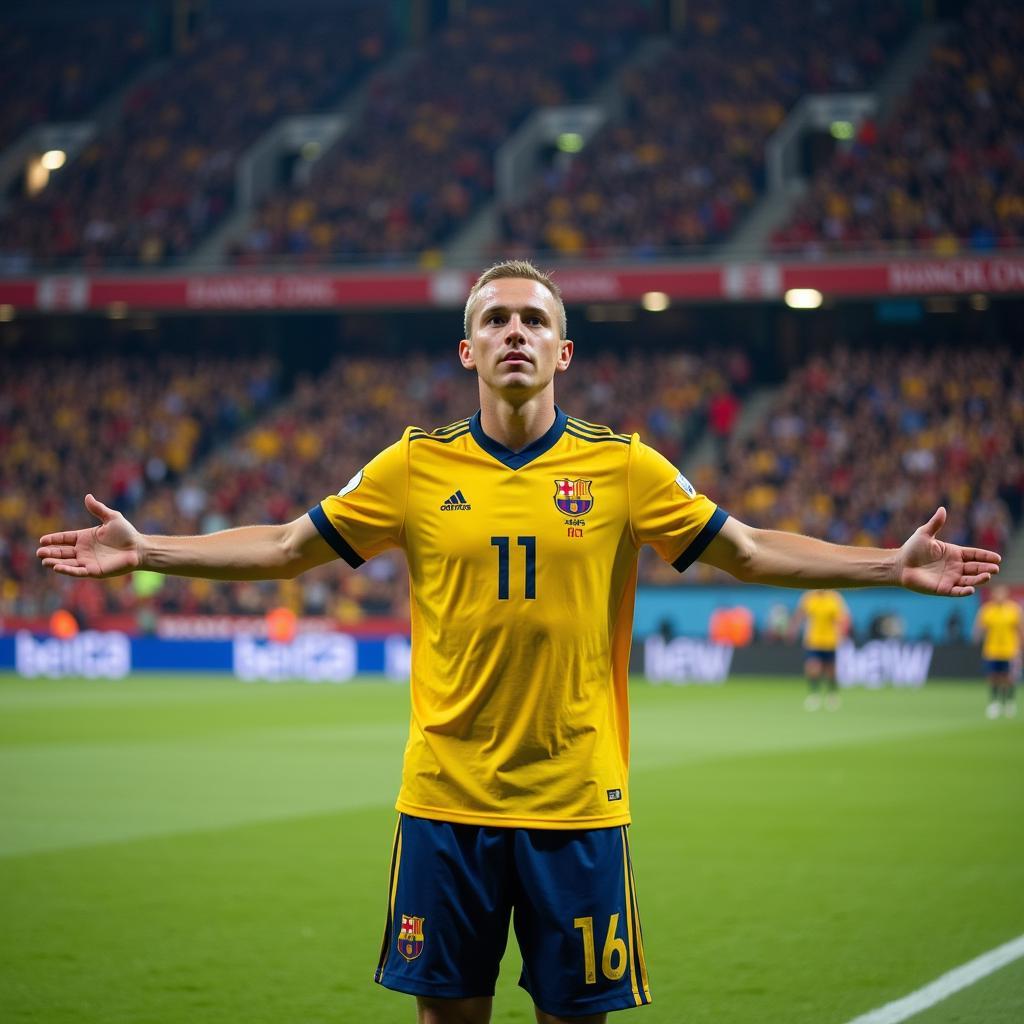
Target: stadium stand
(286, 463)
(686, 161)
(60, 72)
(147, 192)
(862, 446)
(420, 160)
(120, 427)
(281, 464)
(857, 448)
(946, 172)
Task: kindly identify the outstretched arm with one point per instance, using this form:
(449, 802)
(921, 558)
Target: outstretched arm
(115, 547)
(924, 563)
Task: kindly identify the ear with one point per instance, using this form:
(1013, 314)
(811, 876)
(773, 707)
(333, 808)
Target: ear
(564, 356)
(466, 355)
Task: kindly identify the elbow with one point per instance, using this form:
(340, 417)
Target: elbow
(290, 560)
(743, 565)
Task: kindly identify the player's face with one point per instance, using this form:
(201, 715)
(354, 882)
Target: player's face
(515, 345)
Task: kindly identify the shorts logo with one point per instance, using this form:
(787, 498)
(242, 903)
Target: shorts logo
(410, 937)
(573, 497)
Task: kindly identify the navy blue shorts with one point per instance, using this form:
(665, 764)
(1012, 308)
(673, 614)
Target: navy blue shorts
(569, 894)
(826, 657)
(997, 666)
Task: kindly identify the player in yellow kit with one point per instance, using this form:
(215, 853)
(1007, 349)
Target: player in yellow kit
(826, 621)
(1001, 623)
(521, 525)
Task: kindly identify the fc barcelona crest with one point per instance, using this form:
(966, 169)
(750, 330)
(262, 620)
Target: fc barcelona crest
(573, 497)
(410, 937)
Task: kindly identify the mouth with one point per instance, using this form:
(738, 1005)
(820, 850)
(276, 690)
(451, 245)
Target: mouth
(516, 357)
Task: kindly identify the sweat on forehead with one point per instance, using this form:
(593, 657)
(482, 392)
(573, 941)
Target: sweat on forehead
(516, 270)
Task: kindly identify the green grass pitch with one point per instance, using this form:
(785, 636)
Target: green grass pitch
(182, 849)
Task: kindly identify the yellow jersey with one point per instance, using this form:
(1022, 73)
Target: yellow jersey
(826, 614)
(522, 573)
(1001, 623)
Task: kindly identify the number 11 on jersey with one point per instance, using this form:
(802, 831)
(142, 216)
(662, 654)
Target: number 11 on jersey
(529, 545)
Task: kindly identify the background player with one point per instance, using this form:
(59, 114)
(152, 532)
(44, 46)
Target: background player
(1000, 622)
(514, 795)
(826, 622)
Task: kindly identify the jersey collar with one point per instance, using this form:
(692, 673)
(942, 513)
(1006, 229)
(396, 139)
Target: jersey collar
(516, 460)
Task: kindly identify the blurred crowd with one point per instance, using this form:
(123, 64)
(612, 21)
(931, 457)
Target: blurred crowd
(946, 171)
(420, 160)
(120, 428)
(48, 75)
(861, 447)
(686, 159)
(181, 448)
(675, 171)
(146, 192)
(858, 448)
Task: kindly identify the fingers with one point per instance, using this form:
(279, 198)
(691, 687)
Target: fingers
(977, 580)
(98, 509)
(981, 555)
(65, 566)
(54, 552)
(68, 537)
(936, 522)
(68, 569)
(970, 568)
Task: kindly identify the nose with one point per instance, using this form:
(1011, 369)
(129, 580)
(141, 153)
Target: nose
(514, 331)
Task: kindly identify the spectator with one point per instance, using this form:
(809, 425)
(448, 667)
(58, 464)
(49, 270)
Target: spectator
(146, 192)
(946, 173)
(686, 160)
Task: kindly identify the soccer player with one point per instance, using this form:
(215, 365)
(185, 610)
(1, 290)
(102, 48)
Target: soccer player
(521, 526)
(1001, 623)
(826, 621)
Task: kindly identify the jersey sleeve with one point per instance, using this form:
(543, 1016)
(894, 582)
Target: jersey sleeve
(367, 516)
(665, 510)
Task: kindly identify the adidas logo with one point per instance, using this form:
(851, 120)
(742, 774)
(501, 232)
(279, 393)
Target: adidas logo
(456, 503)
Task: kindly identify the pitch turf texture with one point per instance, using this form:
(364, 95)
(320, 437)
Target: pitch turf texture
(201, 850)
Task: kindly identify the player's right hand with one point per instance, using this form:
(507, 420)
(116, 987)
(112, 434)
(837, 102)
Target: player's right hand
(111, 549)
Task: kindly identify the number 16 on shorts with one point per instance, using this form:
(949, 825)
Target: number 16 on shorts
(614, 957)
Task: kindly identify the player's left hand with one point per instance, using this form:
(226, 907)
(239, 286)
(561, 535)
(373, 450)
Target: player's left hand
(931, 566)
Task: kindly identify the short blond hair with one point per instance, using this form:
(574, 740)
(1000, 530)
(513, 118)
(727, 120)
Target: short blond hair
(517, 269)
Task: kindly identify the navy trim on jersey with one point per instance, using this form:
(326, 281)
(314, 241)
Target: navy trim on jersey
(604, 437)
(419, 435)
(516, 460)
(592, 430)
(327, 530)
(451, 428)
(701, 541)
(594, 426)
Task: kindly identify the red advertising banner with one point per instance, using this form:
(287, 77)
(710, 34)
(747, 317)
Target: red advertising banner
(580, 284)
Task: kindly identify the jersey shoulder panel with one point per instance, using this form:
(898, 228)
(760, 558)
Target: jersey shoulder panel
(666, 511)
(367, 515)
(441, 435)
(596, 433)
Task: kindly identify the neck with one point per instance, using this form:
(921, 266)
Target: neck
(516, 424)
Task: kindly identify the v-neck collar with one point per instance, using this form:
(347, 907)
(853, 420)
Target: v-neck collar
(516, 460)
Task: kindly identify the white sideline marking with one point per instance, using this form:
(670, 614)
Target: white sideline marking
(950, 982)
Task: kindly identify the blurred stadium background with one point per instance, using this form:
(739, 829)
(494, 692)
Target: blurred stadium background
(235, 238)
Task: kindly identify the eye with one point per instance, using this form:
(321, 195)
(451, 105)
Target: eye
(496, 318)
